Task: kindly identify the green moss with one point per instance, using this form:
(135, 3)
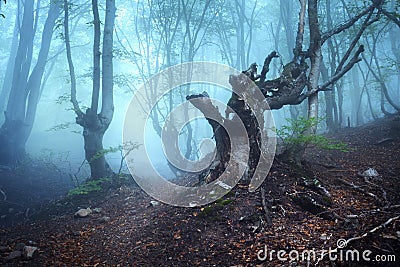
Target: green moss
(223, 202)
(207, 210)
(210, 212)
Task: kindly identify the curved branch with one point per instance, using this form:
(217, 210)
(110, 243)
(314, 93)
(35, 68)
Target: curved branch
(267, 62)
(344, 26)
(339, 74)
(74, 101)
(364, 26)
(391, 16)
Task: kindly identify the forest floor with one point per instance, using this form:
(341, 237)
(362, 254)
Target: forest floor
(128, 229)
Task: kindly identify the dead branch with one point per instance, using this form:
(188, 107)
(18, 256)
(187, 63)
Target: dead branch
(392, 207)
(355, 59)
(358, 188)
(344, 26)
(267, 212)
(385, 209)
(383, 225)
(384, 141)
(267, 62)
(300, 30)
(367, 22)
(384, 194)
(378, 77)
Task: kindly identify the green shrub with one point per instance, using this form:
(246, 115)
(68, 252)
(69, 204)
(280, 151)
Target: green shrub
(296, 133)
(88, 187)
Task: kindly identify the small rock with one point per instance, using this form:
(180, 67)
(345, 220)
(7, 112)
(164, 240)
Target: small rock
(325, 237)
(370, 172)
(154, 203)
(28, 251)
(82, 213)
(3, 249)
(352, 216)
(13, 255)
(97, 210)
(19, 246)
(31, 242)
(104, 219)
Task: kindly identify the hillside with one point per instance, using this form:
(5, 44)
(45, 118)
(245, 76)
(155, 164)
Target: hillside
(129, 228)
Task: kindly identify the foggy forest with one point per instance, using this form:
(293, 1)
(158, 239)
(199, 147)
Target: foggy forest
(200, 133)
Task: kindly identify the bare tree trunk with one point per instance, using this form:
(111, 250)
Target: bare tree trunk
(25, 92)
(366, 90)
(95, 124)
(331, 111)
(395, 47)
(377, 73)
(315, 58)
(294, 152)
(287, 15)
(356, 99)
(7, 83)
(328, 102)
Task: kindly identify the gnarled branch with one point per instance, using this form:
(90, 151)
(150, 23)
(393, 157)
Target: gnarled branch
(267, 62)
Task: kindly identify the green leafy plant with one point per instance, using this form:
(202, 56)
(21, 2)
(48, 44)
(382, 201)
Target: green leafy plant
(89, 186)
(118, 178)
(106, 151)
(295, 133)
(123, 149)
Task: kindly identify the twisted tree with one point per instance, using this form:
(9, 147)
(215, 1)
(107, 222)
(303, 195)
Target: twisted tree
(287, 89)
